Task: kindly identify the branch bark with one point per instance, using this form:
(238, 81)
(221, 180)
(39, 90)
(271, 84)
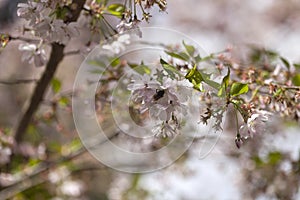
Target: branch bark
(57, 55)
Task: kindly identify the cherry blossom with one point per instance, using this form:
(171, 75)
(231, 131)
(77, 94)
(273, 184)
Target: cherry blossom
(124, 26)
(256, 124)
(30, 11)
(33, 54)
(118, 45)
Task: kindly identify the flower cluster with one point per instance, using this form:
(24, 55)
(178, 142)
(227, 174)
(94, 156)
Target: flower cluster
(130, 18)
(45, 23)
(161, 100)
(66, 185)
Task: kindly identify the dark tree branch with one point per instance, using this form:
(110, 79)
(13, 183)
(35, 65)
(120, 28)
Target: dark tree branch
(57, 55)
(55, 58)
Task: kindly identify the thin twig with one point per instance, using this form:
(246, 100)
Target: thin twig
(18, 81)
(69, 53)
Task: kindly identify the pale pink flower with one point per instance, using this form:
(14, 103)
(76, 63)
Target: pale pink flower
(30, 11)
(72, 188)
(118, 45)
(56, 30)
(5, 153)
(33, 54)
(256, 124)
(124, 26)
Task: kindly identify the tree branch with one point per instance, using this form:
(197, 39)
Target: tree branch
(18, 81)
(57, 55)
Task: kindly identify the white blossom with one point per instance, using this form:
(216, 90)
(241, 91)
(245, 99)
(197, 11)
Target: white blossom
(131, 25)
(118, 45)
(33, 54)
(6, 179)
(161, 100)
(72, 188)
(5, 153)
(58, 175)
(30, 11)
(56, 30)
(165, 130)
(256, 124)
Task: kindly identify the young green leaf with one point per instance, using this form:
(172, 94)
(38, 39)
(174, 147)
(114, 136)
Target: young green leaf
(189, 49)
(296, 80)
(238, 89)
(285, 62)
(115, 61)
(141, 69)
(171, 70)
(116, 9)
(224, 84)
(64, 101)
(195, 77)
(182, 56)
(97, 63)
(297, 65)
(56, 85)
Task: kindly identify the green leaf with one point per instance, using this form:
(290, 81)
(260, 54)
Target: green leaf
(274, 157)
(171, 70)
(224, 84)
(141, 69)
(211, 83)
(285, 62)
(195, 77)
(96, 71)
(97, 63)
(56, 85)
(115, 62)
(189, 49)
(297, 65)
(198, 58)
(64, 101)
(296, 80)
(182, 56)
(116, 9)
(238, 89)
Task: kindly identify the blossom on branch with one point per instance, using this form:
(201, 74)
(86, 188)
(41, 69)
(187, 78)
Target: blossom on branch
(256, 124)
(30, 11)
(33, 54)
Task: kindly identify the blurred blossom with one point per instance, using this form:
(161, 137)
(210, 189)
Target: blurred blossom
(118, 45)
(58, 174)
(56, 30)
(5, 153)
(41, 151)
(33, 54)
(72, 188)
(6, 179)
(120, 183)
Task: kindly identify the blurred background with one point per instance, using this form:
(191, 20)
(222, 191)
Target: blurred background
(265, 168)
